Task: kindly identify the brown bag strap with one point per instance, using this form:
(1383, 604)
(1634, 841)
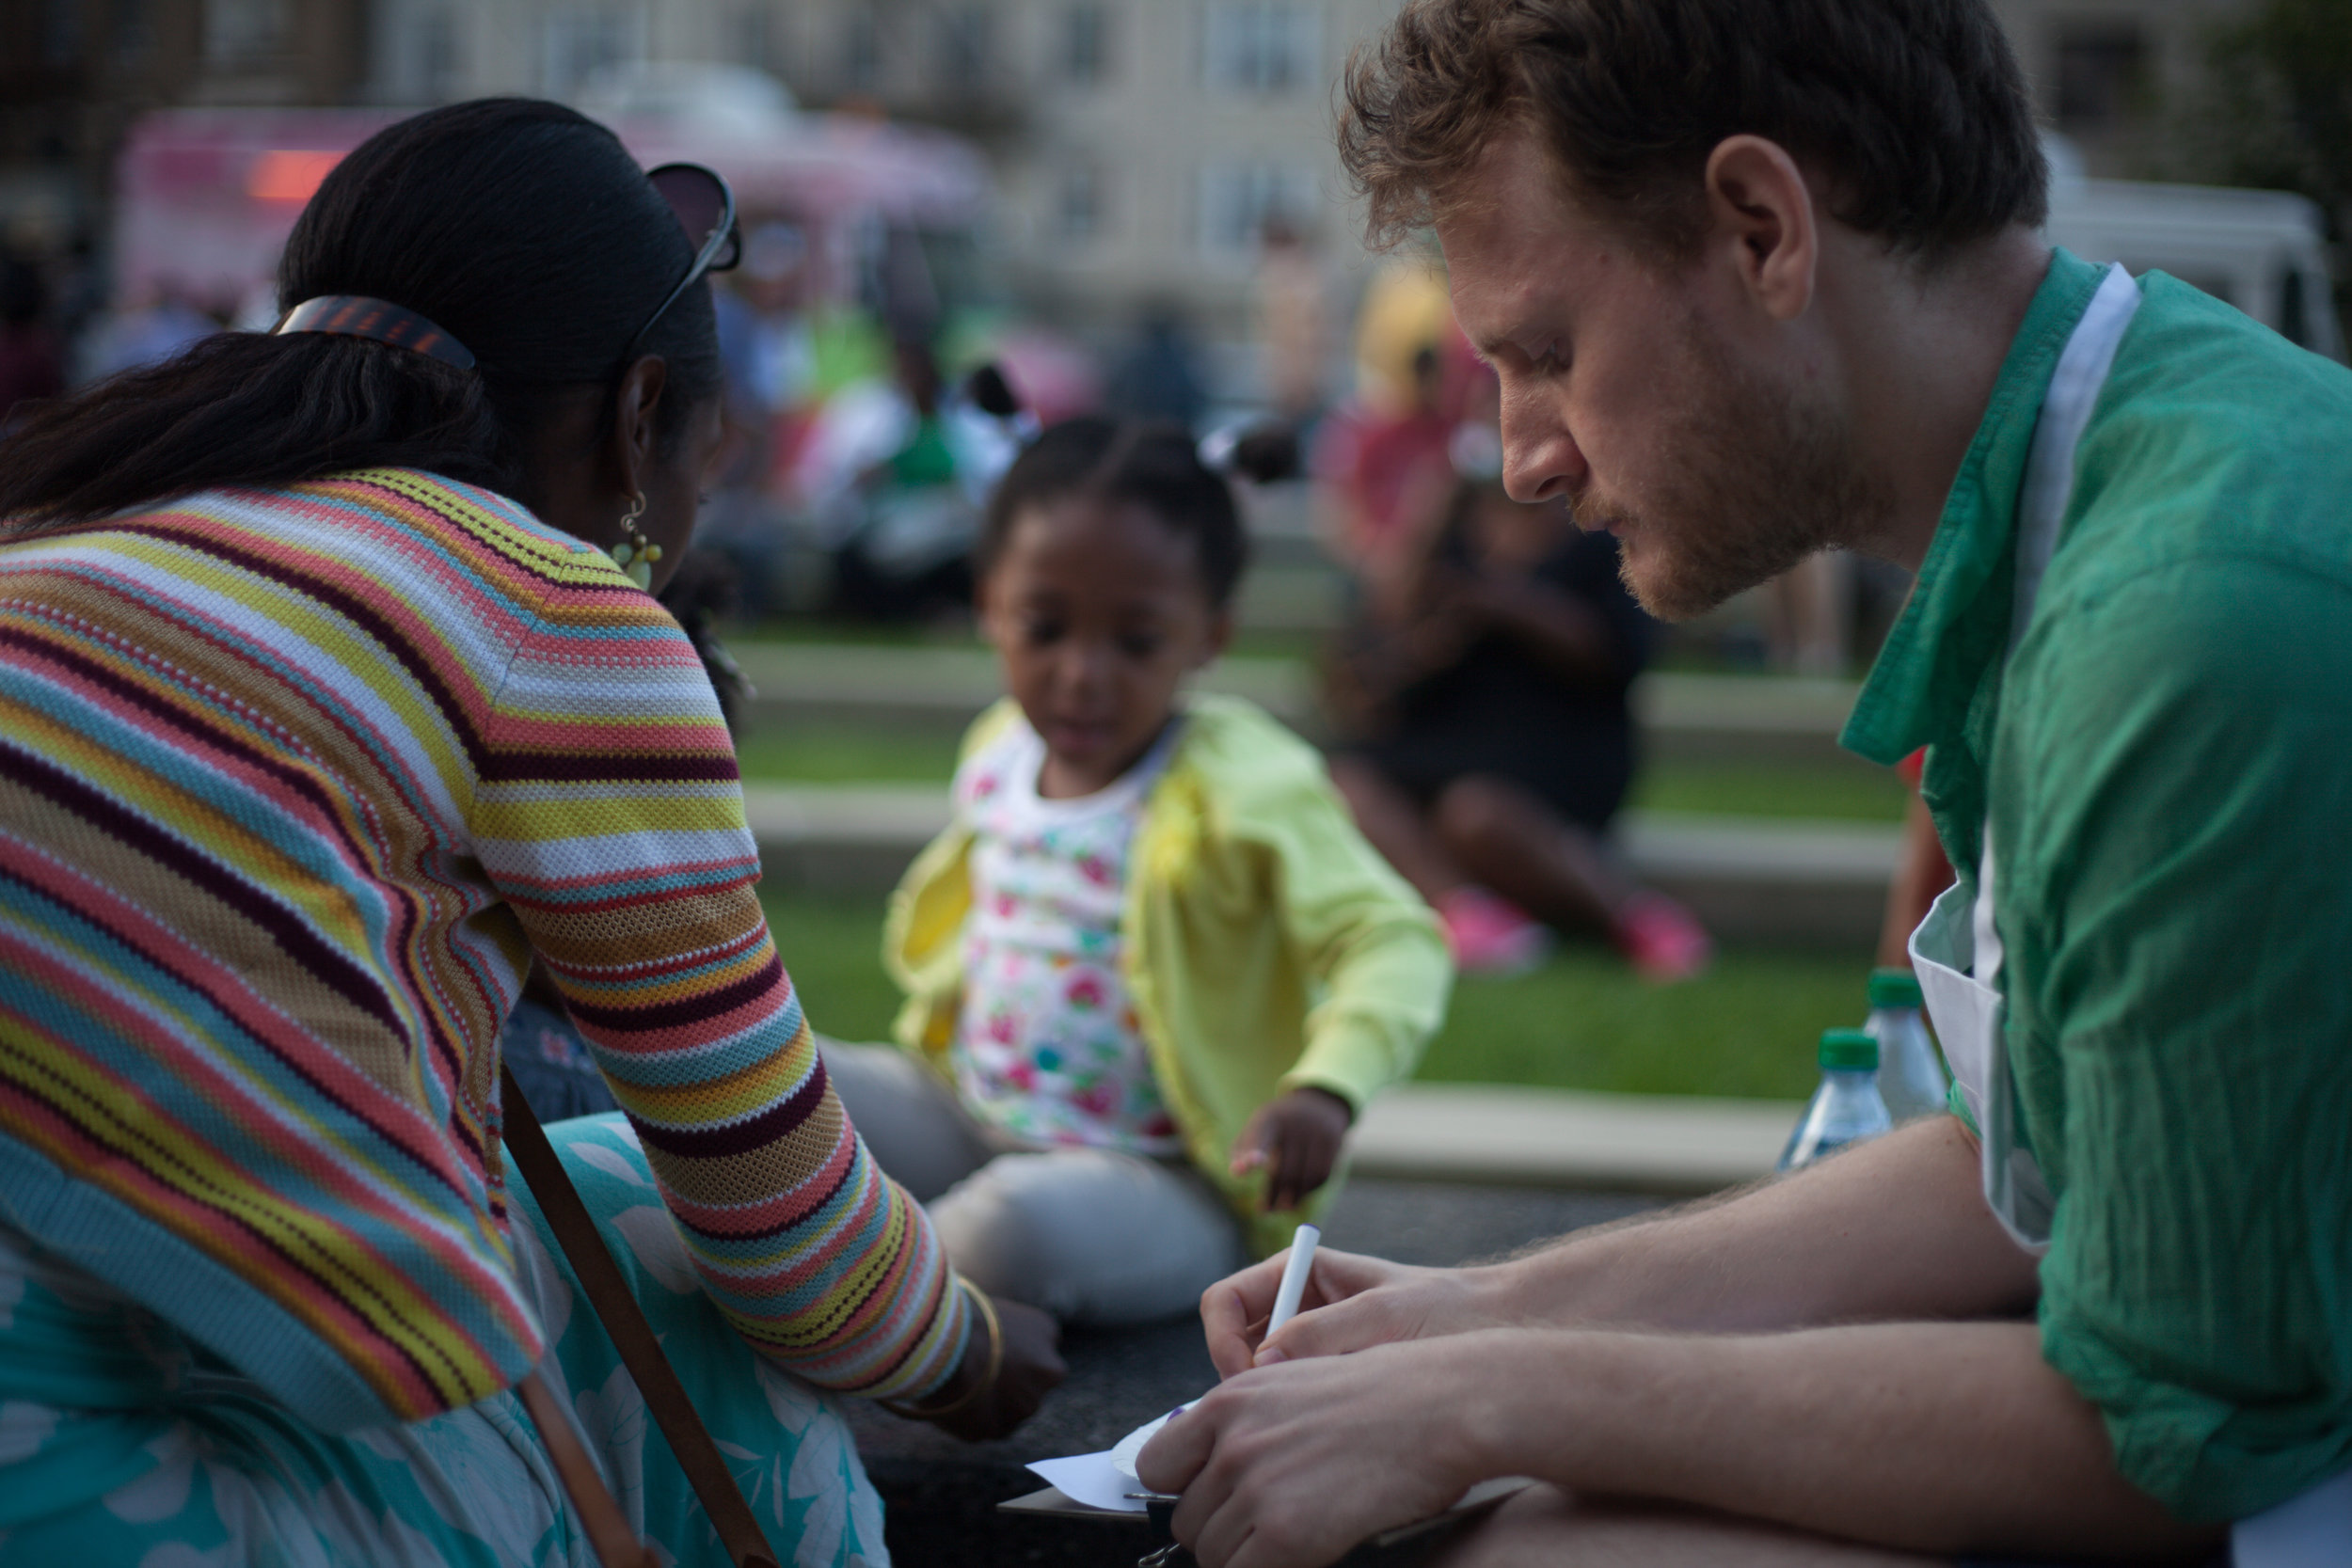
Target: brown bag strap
(599, 1512)
(625, 1324)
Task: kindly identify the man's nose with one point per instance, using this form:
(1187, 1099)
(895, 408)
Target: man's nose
(1541, 460)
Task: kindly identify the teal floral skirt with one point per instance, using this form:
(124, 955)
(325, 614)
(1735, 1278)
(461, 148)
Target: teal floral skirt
(122, 1442)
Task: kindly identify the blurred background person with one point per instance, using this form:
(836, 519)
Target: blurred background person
(1158, 380)
(765, 346)
(32, 360)
(1381, 460)
(148, 324)
(1293, 328)
(1388, 477)
(1487, 739)
(1921, 871)
(1809, 616)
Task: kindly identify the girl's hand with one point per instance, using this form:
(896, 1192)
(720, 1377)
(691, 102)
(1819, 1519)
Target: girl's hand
(1298, 1137)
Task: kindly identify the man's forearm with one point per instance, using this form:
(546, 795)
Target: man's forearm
(1939, 1437)
(1893, 1230)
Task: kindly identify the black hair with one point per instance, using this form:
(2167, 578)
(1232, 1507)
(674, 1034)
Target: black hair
(522, 228)
(1155, 466)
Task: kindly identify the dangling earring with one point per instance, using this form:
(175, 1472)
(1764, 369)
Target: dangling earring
(633, 555)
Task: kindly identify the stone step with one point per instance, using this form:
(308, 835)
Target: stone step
(941, 688)
(1519, 1135)
(1750, 879)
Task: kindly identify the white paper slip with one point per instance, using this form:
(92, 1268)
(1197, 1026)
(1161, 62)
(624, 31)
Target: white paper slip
(1104, 1480)
(1123, 1456)
(1091, 1479)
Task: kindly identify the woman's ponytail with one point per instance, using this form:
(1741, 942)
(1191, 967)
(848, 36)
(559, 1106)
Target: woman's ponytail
(245, 408)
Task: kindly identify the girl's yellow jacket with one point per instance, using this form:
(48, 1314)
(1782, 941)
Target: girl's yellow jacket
(1266, 946)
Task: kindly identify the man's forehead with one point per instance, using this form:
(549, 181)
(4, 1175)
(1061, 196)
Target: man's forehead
(1512, 231)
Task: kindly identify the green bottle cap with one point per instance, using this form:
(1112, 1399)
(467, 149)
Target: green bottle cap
(1849, 1050)
(1894, 988)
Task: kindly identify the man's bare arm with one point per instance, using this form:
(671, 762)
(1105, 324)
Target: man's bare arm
(1935, 1437)
(1895, 1228)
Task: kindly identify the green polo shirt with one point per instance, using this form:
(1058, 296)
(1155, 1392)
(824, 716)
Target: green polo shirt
(2168, 764)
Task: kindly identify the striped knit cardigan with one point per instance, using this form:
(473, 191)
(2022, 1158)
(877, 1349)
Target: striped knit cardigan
(293, 785)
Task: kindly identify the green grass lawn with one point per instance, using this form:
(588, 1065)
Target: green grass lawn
(1847, 789)
(804, 753)
(1746, 1028)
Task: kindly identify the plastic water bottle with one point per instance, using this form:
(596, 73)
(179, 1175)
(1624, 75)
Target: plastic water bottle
(1845, 1109)
(1911, 1073)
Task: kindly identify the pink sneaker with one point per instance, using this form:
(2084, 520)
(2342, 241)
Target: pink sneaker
(1661, 940)
(1488, 935)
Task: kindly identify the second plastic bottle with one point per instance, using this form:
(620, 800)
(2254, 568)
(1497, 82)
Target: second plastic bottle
(1845, 1109)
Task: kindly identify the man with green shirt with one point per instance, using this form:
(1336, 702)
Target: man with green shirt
(1759, 277)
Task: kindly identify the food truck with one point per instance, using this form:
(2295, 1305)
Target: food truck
(205, 197)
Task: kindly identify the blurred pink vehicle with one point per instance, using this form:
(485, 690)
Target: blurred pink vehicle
(207, 196)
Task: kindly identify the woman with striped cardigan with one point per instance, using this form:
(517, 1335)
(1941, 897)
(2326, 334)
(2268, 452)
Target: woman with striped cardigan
(332, 693)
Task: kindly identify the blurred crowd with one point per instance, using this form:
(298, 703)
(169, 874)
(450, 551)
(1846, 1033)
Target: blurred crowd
(1477, 687)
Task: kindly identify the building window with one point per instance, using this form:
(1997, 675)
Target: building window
(861, 53)
(1083, 56)
(1259, 46)
(61, 34)
(755, 35)
(1078, 204)
(236, 31)
(1236, 199)
(2100, 70)
(963, 37)
(422, 63)
(133, 31)
(576, 46)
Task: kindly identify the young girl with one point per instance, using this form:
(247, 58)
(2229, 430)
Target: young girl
(1153, 972)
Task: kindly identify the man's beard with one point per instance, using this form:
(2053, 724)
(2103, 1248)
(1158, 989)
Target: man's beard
(1756, 477)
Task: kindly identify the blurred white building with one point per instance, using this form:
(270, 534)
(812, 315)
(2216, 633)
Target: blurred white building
(1141, 145)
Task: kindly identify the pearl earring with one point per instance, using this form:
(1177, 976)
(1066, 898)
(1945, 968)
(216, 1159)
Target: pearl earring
(633, 555)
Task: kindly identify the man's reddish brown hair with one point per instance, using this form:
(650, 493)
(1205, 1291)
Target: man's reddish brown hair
(1913, 112)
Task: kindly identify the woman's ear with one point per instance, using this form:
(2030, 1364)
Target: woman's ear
(636, 403)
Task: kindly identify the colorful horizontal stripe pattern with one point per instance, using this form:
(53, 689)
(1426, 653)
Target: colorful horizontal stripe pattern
(293, 785)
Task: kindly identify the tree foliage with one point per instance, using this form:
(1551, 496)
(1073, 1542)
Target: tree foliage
(2276, 107)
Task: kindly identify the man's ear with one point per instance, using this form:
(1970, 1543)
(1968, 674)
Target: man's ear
(1760, 212)
(635, 402)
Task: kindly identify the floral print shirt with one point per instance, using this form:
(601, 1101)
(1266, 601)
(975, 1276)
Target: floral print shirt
(1049, 1050)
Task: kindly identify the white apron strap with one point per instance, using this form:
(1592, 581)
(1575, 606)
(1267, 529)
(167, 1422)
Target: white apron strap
(1976, 1045)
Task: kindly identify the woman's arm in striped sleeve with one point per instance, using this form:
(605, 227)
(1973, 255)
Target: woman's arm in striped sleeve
(610, 814)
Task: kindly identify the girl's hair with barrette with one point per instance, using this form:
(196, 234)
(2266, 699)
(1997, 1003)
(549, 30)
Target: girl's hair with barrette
(1157, 466)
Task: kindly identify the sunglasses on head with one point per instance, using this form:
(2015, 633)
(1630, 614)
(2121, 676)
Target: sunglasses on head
(704, 206)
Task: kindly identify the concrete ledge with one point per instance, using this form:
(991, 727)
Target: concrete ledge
(1558, 1138)
(942, 688)
(1749, 878)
